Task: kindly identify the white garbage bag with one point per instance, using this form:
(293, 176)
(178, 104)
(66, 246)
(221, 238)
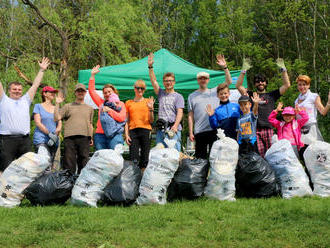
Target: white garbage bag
(19, 175)
(289, 172)
(98, 172)
(317, 159)
(223, 162)
(163, 163)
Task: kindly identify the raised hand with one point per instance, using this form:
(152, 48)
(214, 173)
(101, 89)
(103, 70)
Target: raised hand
(255, 98)
(280, 63)
(59, 98)
(279, 107)
(151, 103)
(246, 64)
(95, 70)
(209, 110)
(221, 61)
(150, 59)
(45, 62)
(297, 109)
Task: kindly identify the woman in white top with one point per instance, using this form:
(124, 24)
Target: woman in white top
(311, 102)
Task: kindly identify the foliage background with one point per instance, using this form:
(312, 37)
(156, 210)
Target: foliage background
(112, 32)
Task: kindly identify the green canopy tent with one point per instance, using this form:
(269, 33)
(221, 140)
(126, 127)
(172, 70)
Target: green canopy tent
(123, 76)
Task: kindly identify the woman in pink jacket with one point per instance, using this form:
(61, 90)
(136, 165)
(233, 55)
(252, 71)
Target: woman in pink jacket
(290, 128)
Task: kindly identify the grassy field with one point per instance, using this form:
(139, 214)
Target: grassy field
(275, 222)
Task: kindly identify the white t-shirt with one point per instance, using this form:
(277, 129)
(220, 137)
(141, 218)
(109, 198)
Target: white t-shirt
(15, 115)
(309, 105)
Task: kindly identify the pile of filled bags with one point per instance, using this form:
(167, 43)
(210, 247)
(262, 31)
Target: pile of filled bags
(108, 179)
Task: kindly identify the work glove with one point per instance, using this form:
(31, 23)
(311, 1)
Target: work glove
(53, 138)
(246, 64)
(280, 64)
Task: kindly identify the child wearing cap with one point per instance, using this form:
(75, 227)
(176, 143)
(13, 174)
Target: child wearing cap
(290, 128)
(113, 102)
(247, 123)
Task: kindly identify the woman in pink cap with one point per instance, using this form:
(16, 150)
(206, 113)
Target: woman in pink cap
(290, 128)
(47, 130)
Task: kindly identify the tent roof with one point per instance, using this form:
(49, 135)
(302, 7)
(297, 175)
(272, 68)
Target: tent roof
(123, 76)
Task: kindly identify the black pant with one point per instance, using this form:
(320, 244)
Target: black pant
(76, 152)
(12, 147)
(204, 140)
(140, 142)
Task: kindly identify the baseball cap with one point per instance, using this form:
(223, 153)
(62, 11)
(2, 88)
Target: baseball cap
(49, 89)
(203, 74)
(80, 86)
(244, 99)
(288, 111)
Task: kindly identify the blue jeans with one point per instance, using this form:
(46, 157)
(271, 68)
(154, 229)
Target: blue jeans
(102, 142)
(160, 136)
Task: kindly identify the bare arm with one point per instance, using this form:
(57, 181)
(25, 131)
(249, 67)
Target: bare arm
(58, 127)
(152, 75)
(37, 120)
(318, 103)
(255, 100)
(178, 119)
(285, 78)
(59, 99)
(36, 83)
(150, 105)
(223, 65)
(239, 84)
(191, 125)
(1, 90)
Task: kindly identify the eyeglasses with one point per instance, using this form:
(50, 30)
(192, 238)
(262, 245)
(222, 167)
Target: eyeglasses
(139, 88)
(169, 81)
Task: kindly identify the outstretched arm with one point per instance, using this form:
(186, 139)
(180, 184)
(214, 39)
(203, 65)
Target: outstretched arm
(223, 65)
(272, 117)
(285, 78)
(45, 62)
(239, 84)
(323, 110)
(152, 75)
(91, 87)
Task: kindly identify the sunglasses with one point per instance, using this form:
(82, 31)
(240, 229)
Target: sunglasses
(139, 88)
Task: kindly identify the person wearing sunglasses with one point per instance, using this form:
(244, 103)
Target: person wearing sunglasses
(171, 106)
(266, 103)
(140, 116)
(118, 114)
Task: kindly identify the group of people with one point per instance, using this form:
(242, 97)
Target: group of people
(250, 121)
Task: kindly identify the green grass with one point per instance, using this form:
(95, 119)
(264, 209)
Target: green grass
(275, 222)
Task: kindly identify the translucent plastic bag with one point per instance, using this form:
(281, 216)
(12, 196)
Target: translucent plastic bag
(163, 163)
(98, 172)
(317, 159)
(223, 162)
(289, 172)
(19, 175)
(124, 189)
(189, 180)
(51, 188)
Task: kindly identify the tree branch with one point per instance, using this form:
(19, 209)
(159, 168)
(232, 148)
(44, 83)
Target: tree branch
(7, 56)
(46, 21)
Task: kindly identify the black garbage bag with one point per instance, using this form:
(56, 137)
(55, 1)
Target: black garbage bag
(189, 180)
(124, 189)
(51, 188)
(255, 177)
